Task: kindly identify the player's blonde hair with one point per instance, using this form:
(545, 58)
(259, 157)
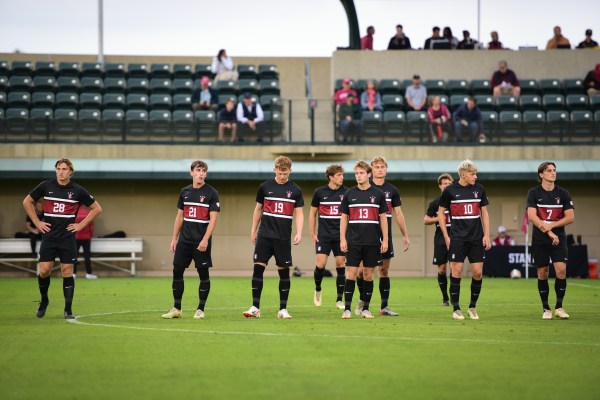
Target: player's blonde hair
(283, 162)
(333, 169)
(362, 164)
(378, 159)
(444, 176)
(466, 166)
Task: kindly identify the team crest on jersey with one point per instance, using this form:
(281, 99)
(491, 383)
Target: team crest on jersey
(289, 195)
(341, 197)
(372, 199)
(202, 199)
(476, 194)
(70, 195)
(387, 195)
(557, 200)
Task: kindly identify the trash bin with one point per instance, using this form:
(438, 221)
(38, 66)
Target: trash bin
(593, 268)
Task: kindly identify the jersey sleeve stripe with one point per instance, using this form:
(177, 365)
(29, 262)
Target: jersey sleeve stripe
(467, 201)
(330, 202)
(199, 221)
(330, 216)
(363, 222)
(196, 204)
(59, 215)
(465, 217)
(364, 205)
(550, 206)
(59, 199)
(280, 199)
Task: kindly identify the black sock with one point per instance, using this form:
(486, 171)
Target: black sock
(360, 284)
(455, 292)
(284, 287)
(318, 278)
(257, 284)
(368, 292)
(204, 288)
(544, 290)
(340, 280)
(348, 293)
(475, 290)
(560, 288)
(384, 291)
(443, 282)
(177, 286)
(68, 291)
(44, 284)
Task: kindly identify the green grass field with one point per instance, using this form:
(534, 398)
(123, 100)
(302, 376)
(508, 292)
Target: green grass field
(119, 347)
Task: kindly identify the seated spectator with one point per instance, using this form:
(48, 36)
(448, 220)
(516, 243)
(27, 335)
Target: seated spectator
(588, 43)
(204, 97)
(399, 41)
(450, 37)
(504, 81)
(495, 44)
(503, 239)
(370, 99)
(558, 41)
(416, 95)
(366, 43)
(228, 120)
(467, 43)
(435, 36)
(341, 94)
(468, 115)
(439, 120)
(592, 81)
(350, 117)
(223, 68)
(251, 118)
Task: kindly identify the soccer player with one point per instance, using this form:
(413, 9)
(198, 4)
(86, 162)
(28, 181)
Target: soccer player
(550, 208)
(198, 209)
(363, 235)
(392, 199)
(326, 204)
(440, 251)
(277, 201)
(469, 233)
(61, 202)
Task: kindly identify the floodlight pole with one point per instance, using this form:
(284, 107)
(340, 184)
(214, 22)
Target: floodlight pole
(479, 21)
(100, 32)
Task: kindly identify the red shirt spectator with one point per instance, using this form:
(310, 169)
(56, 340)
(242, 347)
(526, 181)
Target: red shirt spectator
(87, 232)
(366, 43)
(340, 95)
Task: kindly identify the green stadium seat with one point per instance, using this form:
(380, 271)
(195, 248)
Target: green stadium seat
(160, 70)
(269, 86)
(481, 86)
(114, 100)
(65, 123)
(273, 124)
(582, 125)
(550, 86)
(3, 83)
(534, 122)
(44, 68)
(201, 70)
(595, 102)
(577, 102)
(160, 101)
(240, 98)
(268, 71)
(485, 102)
(182, 86)
(159, 122)
(444, 100)
(394, 122)
(392, 102)
(90, 121)
(92, 84)
(389, 86)
(44, 84)
(18, 100)
(113, 122)
(138, 85)
(372, 122)
(4, 68)
(16, 120)
(41, 120)
(582, 116)
(458, 86)
(361, 84)
(2, 100)
(271, 102)
(114, 70)
(67, 84)
(160, 85)
(530, 102)
(68, 68)
(223, 98)
(226, 87)
(528, 86)
(456, 100)
(417, 126)
(573, 86)
(247, 71)
(92, 69)
(247, 85)
(183, 124)
(205, 123)
(490, 122)
(182, 102)
(139, 101)
(21, 68)
(435, 86)
(510, 125)
(182, 71)
(41, 100)
(136, 123)
(553, 102)
(20, 84)
(90, 100)
(67, 100)
(115, 85)
(507, 103)
(137, 70)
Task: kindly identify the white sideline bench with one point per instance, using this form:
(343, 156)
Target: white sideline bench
(13, 251)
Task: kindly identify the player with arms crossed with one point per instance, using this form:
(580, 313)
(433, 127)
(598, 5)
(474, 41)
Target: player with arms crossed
(440, 251)
(277, 201)
(550, 208)
(363, 235)
(469, 233)
(326, 204)
(61, 203)
(198, 209)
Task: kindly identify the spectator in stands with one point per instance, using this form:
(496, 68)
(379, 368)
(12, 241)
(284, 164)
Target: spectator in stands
(467, 43)
(558, 41)
(588, 43)
(435, 36)
(350, 117)
(504, 81)
(439, 120)
(228, 120)
(416, 95)
(83, 239)
(33, 232)
(469, 116)
(366, 43)
(503, 239)
(592, 81)
(223, 68)
(204, 97)
(342, 94)
(495, 44)
(370, 99)
(450, 37)
(399, 41)
(250, 116)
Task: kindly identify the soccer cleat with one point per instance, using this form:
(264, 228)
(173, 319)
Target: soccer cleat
(561, 314)
(173, 313)
(339, 305)
(547, 314)
(473, 313)
(91, 276)
(366, 314)
(283, 313)
(458, 315)
(41, 311)
(387, 311)
(446, 303)
(253, 312)
(199, 314)
(69, 315)
(359, 307)
(317, 299)
(347, 314)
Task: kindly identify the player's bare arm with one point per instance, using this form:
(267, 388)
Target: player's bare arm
(255, 220)
(485, 221)
(402, 225)
(312, 223)
(299, 224)
(427, 220)
(95, 210)
(441, 220)
(343, 229)
(176, 230)
(209, 230)
(384, 232)
(29, 205)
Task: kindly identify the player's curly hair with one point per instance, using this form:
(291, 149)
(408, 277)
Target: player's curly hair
(444, 176)
(378, 159)
(200, 164)
(362, 164)
(333, 169)
(283, 162)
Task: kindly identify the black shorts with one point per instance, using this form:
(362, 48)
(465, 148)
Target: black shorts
(390, 251)
(64, 248)
(268, 247)
(186, 252)
(369, 255)
(329, 245)
(542, 253)
(460, 249)
(440, 254)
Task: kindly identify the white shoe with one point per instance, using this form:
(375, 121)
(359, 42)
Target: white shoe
(91, 276)
(561, 314)
(253, 312)
(340, 305)
(547, 314)
(359, 307)
(199, 314)
(473, 313)
(366, 314)
(283, 313)
(173, 313)
(458, 315)
(388, 311)
(317, 299)
(347, 314)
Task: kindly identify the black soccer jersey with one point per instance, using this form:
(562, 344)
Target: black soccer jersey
(61, 204)
(328, 201)
(196, 205)
(464, 203)
(392, 200)
(363, 208)
(550, 207)
(432, 210)
(279, 203)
